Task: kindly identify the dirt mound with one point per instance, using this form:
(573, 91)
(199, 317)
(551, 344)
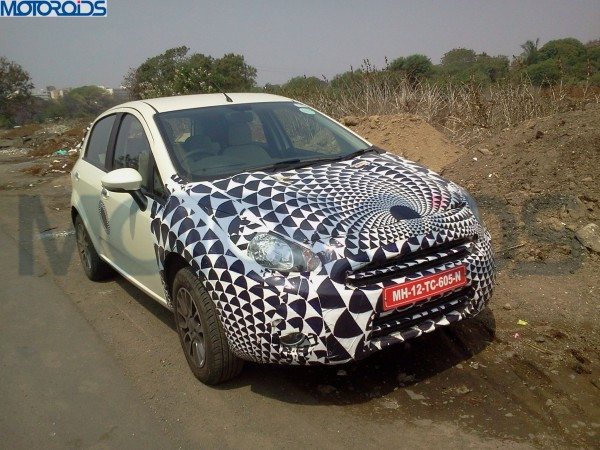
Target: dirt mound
(408, 136)
(559, 153)
(545, 173)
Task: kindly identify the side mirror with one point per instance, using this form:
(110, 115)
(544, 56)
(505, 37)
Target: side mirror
(125, 180)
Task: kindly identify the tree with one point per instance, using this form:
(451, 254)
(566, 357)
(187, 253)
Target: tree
(491, 68)
(346, 79)
(174, 73)
(560, 59)
(231, 73)
(544, 73)
(302, 86)
(570, 51)
(530, 52)
(86, 101)
(414, 66)
(15, 92)
(458, 59)
(463, 64)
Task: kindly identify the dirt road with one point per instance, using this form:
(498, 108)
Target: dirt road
(487, 382)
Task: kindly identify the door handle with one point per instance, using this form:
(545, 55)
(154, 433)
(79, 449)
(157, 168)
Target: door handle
(104, 193)
(76, 176)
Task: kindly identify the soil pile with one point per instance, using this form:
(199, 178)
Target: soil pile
(408, 136)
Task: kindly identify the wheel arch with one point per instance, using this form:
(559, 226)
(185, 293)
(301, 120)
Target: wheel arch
(171, 265)
(74, 214)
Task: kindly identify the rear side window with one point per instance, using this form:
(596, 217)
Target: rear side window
(132, 148)
(98, 142)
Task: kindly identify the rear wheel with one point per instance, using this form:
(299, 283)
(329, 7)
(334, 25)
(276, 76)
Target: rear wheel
(200, 332)
(94, 267)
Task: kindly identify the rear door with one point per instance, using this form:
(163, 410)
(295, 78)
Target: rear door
(130, 243)
(86, 177)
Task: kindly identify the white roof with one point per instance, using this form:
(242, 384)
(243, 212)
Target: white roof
(179, 102)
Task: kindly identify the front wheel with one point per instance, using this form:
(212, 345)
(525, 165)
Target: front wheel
(200, 332)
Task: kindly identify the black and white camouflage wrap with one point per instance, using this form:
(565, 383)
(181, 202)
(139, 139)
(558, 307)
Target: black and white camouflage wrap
(374, 221)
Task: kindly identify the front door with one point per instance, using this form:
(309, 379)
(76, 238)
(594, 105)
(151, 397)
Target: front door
(130, 243)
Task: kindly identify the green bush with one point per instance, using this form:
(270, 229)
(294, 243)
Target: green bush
(544, 73)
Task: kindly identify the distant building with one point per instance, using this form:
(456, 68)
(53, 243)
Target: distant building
(108, 90)
(41, 93)
(55, 94)
(120, 94)
(51, 92)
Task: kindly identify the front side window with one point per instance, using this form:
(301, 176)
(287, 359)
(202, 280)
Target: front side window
(97, 146)
(219, 141)
(132, 148)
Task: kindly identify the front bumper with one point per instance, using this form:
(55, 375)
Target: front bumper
(339, 308)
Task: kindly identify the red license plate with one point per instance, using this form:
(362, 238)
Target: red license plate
(424, 287)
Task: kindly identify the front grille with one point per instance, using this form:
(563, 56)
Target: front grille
(411, 263)
(402, 319)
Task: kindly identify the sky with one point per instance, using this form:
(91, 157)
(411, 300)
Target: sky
(283, 38)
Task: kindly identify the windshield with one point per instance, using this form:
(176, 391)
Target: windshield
(219, 141)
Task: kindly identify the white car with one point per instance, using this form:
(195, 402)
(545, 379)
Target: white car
(274, 233)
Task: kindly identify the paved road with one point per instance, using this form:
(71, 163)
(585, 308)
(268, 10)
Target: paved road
(59, 385)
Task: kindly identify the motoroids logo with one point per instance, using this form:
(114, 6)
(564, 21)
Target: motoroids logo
(53, 8)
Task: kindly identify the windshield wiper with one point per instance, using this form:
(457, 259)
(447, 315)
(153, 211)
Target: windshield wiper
(357, 153)
(297, 163)
(291, 163)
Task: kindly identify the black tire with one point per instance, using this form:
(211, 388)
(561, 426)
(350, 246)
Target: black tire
(95, 268)
(200, 331)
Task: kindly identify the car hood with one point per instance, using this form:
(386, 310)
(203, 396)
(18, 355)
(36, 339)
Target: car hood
(362, 203)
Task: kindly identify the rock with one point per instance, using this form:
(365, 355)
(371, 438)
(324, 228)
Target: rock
(539, 134)
(414, 396)
(462, 390)
(576, 210)
(485, 151)
(589, 236)
(540, 339)
(349, 121)
(507, 306)
(556, 224)
(5, 143)
(342, 373)
(389, 404)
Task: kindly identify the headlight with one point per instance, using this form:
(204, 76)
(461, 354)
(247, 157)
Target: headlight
(273, 252)
(472, 205)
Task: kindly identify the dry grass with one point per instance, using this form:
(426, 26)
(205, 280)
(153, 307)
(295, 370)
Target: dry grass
(25, 130)
(47, 148)
(467, 111)
(37, 169)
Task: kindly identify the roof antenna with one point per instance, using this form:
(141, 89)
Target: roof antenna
(216, 87)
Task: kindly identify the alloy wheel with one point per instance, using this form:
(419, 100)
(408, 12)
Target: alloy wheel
(83, 245)
(190, 326)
